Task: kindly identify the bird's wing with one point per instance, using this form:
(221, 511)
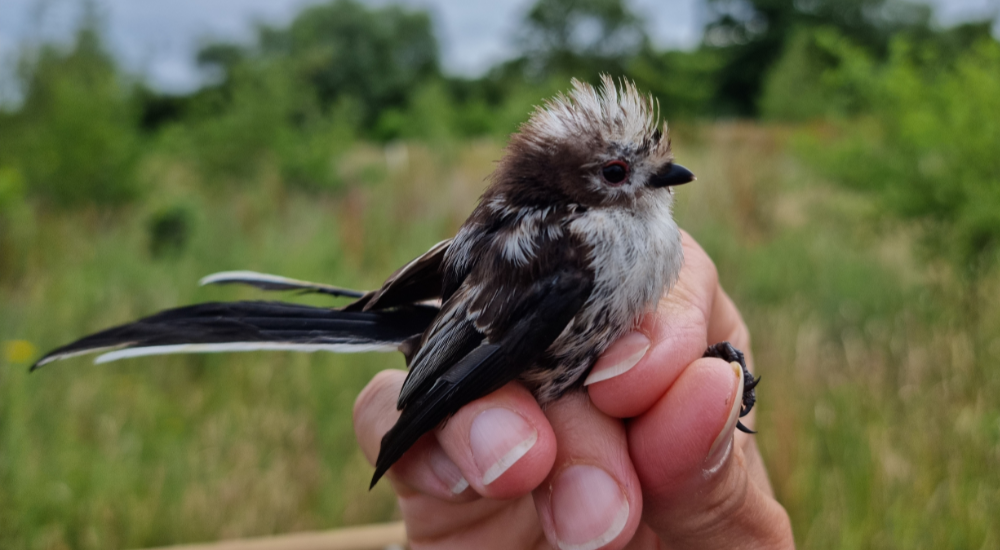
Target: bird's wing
(492, 291)
(265, 281)
(417, 281)
(451, 336)
(537, 317)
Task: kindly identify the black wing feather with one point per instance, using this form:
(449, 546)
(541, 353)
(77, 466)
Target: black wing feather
(417, 281)
(450, 338)
(554, 301)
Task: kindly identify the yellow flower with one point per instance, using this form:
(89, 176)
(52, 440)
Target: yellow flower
(18, 351)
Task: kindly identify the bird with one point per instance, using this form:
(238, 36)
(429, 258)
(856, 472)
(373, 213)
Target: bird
(571, 244)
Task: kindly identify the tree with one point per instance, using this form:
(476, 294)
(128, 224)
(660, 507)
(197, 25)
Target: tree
(376, 57)
(581, 37)
(752, 34)
(74, 138)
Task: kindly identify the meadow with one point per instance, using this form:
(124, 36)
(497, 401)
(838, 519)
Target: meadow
(848, 190)
(878, 420)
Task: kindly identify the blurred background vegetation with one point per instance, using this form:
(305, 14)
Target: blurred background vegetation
(848, 154)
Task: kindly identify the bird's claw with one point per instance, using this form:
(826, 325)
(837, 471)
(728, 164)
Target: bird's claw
(726, 352)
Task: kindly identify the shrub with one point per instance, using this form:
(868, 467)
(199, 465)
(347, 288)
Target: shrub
(74, 139)
(815, 77)
(265, 117)
(928, 150)
(11, 189)
(169, 230)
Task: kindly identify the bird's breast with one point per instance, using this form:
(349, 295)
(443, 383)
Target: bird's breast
(635, 255)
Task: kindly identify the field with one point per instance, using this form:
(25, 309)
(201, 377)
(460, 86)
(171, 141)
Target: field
(879, 417)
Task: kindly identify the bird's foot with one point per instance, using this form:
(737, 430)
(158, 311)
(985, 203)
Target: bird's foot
(726, 352)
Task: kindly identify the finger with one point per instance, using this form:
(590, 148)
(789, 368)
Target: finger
(375, 410)
(726, 325)
(425, 468)
(636, 371)
(592, 498)
(502, 443)
(698, 491)
(437, 511)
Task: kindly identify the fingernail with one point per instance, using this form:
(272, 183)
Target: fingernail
(499, 438)
(589, 508)
(447, 471)
(619, 358)
(723, 444)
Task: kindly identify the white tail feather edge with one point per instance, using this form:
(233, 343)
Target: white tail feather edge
(241, 346)
(62, 356)
(253, 276)
(236, 276)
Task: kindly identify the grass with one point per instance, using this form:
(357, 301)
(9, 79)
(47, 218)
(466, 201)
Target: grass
(878, 412)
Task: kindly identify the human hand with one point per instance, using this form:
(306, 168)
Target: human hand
(503, 473)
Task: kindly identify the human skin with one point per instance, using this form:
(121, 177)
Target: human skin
(577, 475)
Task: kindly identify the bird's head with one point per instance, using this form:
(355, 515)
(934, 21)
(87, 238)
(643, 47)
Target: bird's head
(590, 147)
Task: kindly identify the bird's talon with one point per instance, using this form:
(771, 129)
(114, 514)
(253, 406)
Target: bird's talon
(726, 352)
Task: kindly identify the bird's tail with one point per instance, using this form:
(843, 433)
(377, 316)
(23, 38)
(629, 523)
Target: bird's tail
(251, 326)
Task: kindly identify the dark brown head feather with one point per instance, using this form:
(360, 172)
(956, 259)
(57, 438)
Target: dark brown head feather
(557, 155)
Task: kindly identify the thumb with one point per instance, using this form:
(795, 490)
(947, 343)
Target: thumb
(698, 491)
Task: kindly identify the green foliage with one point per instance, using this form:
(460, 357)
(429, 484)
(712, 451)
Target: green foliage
(875, 411)
(877, 415)
(375, 56)
(13, 222)
(563, 39)
(198, 448)
(266, 117)
(170, 230)
(74, 139)
(928, 150)
(684, 82)
(302, 93)
(580, 37)
(429, 115)
(824, 72)
(753, 34)
(817, 76)
(878, 408)
(11, 189)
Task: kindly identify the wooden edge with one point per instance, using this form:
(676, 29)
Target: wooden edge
(367, 537)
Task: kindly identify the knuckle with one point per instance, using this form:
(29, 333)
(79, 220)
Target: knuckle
(697, 287)
(708, 271)
(378, 396)
(783, 531)
(724, 503)
(699, 261)
(734, 506)
(375, 411)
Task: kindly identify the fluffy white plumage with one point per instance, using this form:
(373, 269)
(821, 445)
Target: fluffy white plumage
(612, 113)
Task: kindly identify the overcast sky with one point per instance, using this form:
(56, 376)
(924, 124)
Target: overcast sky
(158, 38)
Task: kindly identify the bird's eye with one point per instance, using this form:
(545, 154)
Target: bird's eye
(615, 172)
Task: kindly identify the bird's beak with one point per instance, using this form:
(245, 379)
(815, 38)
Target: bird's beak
(675, 174)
